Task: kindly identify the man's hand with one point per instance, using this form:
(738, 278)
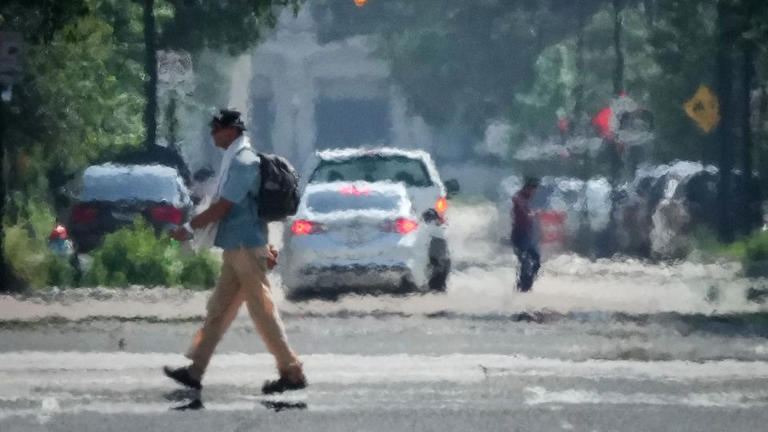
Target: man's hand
(181, 234)
(214, 213)
(272, 260)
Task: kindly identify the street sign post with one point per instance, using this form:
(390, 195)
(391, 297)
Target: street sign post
(704, 109)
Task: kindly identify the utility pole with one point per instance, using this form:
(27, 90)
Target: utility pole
(4, 269)
(150, 67)
(11, 45)
(724, 132)
(618, 71)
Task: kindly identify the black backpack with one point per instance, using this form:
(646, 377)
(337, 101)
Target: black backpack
(279, 190)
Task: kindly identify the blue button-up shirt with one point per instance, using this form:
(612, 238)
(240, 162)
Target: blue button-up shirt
(241, 227)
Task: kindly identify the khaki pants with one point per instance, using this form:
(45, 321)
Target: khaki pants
(243, 279)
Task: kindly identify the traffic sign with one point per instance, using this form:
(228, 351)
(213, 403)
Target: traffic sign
(704, 109)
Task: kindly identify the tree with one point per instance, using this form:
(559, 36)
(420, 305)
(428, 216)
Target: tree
(38, 21)
(460, 64)
(618, 74)
(232, 26)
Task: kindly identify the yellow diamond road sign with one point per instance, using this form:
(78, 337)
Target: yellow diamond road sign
(704, 109)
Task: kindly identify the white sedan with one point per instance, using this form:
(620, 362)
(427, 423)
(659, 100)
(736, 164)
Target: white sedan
(356, 237)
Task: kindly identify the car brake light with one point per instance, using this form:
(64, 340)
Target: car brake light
(84, 214)
(441, 205)
(166, 213)
(404, 226)
(302, 227)
(354, 190)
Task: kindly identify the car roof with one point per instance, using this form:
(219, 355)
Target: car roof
(349, 153)
(112, 182)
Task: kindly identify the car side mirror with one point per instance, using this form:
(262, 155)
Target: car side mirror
(452, 187)
(430, 216)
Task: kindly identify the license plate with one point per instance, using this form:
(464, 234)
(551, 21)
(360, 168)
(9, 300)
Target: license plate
(123, 216)
(355, 236)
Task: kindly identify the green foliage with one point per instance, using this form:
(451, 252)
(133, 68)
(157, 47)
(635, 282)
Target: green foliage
(134, 255)
(757, 246)
(234, 26)
(26, 248)
(26, 255)
(752, 251)
(707, 242)
(199, 270)
(80, 99)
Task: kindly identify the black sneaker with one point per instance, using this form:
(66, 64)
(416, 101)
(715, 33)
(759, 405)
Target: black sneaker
(283, 384)
(182, 376)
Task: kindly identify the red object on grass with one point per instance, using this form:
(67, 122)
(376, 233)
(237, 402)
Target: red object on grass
(59, 232)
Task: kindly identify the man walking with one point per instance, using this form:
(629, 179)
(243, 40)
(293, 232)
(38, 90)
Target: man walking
(232, 222)
(524, 234)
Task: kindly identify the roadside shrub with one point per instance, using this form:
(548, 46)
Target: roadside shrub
(26, 255)
(134, 255)
(756, 260)
(706, 242)
(26, 248)
(752, 251)
(131, 255)
(199, 270)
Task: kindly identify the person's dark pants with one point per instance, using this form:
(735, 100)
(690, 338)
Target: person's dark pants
(530, 261)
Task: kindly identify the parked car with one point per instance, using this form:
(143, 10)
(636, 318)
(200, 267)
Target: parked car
(111, 196)
(359, 236)
(571, 212)
(416, 171)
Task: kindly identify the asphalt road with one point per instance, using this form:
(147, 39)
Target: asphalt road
(598, 346)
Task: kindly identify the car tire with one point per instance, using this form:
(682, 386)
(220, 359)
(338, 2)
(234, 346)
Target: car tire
(439, 265)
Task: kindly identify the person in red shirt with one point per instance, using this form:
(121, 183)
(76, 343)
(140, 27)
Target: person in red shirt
(524, 234)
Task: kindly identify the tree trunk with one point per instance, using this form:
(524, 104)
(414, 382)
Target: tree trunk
(4, 269)
(724, 132)
(150, 67)
(578, 106)
(618, 72)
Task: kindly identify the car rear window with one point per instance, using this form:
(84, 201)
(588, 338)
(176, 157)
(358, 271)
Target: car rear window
(373, 168)
(127, 186)
(330, 201)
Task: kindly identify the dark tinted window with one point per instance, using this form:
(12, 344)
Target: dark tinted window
(327, 202)
(373, 168)
(122, 185)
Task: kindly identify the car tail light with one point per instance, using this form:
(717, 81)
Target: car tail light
(400, 225)
(304, 227)
(441, 205)
(404, 226)
(166, 213)
(84, 213)
(354, 190)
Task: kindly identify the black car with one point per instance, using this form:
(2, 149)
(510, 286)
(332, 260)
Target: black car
(111, 196)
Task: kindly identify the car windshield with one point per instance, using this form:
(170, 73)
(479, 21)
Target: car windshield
(373, 168)
(125, 185)
(331, 201)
